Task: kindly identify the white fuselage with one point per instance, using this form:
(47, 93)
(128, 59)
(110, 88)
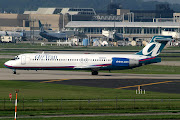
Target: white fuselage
(70, 61)
(94, 62)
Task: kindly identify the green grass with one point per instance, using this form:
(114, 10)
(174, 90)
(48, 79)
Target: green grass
(151, 69)
(169, 54)
(93, 105)
(148, 117)
(54, 47)
(32, 90)
(2, 61)
(20, 45)
(170, 58)
(35, 46)
(15, 52)
(173, 48)
(73, 112)
(32, 93)
(143, 117)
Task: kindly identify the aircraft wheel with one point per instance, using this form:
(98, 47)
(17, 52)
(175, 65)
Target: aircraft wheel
(14, 71)
(94, 72)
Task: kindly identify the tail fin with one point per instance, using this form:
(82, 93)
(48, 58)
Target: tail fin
(41, 28)
(155, 46)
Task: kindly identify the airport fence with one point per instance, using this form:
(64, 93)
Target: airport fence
(90, 104)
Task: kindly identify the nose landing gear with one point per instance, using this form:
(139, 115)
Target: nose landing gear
(14, 71)
(94, 72)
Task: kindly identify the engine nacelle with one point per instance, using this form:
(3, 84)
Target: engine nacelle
(124, 62)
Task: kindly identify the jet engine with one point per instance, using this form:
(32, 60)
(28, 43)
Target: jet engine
(124, 62)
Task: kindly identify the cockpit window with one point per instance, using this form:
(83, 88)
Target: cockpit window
(15, 58)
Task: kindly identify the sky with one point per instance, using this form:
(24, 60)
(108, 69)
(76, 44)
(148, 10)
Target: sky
(170, 1)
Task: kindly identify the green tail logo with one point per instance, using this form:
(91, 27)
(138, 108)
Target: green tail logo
(155, 46)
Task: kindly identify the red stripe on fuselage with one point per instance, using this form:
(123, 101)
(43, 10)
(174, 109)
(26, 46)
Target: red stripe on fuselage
(103, 65)
(147, 59)
(39, 67)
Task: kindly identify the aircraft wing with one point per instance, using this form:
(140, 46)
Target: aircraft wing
(85, 67)
(91, 66)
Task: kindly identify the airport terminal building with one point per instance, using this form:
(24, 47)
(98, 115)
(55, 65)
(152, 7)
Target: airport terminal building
(51, 18)
(128, 29)
(81, 19)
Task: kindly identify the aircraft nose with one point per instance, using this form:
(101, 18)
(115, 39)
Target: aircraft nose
(8, 64)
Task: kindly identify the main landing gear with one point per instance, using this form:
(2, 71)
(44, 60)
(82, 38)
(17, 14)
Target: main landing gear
(14, 71)
(94, 72)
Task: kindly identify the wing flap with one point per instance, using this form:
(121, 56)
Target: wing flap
(85, 67)
(91, 66)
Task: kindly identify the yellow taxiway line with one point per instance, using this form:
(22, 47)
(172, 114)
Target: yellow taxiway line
(49, 81)
(144, 84)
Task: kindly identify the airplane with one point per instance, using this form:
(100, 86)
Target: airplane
(12, 33)
(51, 36)
(93, 62)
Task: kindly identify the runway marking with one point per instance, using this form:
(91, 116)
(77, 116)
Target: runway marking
(144, 84)
(49, 81)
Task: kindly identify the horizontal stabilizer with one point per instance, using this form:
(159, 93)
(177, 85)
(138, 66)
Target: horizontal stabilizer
(162, 38)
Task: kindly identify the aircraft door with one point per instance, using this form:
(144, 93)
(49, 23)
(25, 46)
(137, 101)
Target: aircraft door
(81, 60)
(85, 60)
(23, 60)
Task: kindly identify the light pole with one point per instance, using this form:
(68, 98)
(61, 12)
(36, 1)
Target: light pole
(16, 91)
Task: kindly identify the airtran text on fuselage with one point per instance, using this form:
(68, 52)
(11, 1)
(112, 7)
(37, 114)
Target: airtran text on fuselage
(46, 57)
(122, 61)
